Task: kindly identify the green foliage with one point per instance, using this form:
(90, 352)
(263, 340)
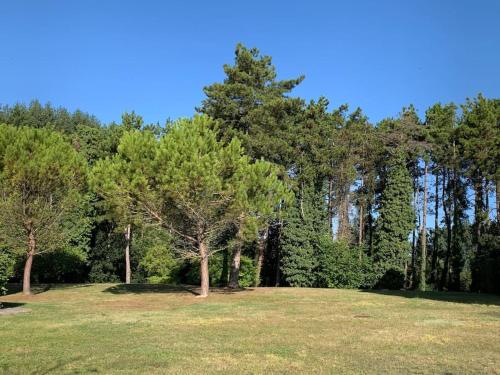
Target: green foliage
(304, 225)
(342, 266)
(396, 220)
(485, 266)
(41, 182)
(157, 257)
(35, 115)
(254, 107)
(6, 269)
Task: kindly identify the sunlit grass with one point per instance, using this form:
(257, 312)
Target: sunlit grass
(111, 328)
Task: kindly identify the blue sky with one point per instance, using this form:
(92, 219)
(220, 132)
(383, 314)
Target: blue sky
(154, 57)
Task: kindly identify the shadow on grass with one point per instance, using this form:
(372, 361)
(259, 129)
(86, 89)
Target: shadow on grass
(455, 297)
(149, 288)
(162, 288)
(41, 288)
(10, 305)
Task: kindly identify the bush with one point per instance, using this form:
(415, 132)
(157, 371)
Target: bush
(392, 278)
(247, 272)
(6, 269)
(485, 267)
(341, 266)
(159, 264)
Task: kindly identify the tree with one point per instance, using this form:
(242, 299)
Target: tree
(42, 179)
(479, 142)
(187, 182)
(113, 182)
(6, 269)
(259, 195)
(395, 221)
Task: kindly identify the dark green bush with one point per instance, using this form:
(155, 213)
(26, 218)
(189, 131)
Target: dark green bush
(341, 266)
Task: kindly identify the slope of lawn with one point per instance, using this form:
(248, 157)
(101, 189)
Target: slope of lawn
(110, 328)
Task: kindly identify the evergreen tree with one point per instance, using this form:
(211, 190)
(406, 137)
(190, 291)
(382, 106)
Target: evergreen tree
(41, 183)
(394, 224)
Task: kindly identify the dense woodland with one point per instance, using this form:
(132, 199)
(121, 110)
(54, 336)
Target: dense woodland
(258, 188)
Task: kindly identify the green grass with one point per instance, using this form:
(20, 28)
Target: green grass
(111, 328)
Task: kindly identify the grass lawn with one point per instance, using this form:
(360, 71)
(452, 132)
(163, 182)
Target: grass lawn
(111, 328)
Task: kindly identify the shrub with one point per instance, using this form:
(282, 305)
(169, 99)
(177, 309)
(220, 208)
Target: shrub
(341, 266)
(159, 264)
(6, 269)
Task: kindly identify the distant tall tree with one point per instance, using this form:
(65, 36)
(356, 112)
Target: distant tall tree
(253, 105)
(41, 182)
(440, 120)
(396, 219)
(479, 142)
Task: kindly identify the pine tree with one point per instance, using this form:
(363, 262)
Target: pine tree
(42, 179)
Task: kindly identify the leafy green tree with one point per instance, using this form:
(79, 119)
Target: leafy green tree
(187, 182)
(257, 200)
(6, 269)
(396, 219)
(41, 183)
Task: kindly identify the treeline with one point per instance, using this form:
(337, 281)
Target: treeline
(259, 188)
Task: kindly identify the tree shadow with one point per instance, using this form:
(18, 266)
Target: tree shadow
(454, 297)
(149, 289)
(10, 305)
(42, 288)
(167, 289)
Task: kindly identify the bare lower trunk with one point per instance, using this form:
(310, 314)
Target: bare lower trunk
(423, 236)
(343, 232)
(360, 228)
(128, 234)
(235, 267)
(330, 205)
(260, 254)
(497, 198)
(29, 261)
(447, 219)
(370, 229)
(436, 232)
(478, 209)
(204, 277)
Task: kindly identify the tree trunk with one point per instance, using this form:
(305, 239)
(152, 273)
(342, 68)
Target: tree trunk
(128, 236)
(423, 236)
(446, 266)
(343, 232)
(478, 209)
(413, 274)
(497, 198)
(261, 246)
(204, 276)
(330, 205)
(235, 266)
(361, 223)
(29, 260)
(370, 229)
(436, 232)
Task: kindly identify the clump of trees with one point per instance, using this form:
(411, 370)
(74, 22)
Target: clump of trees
(259, 188)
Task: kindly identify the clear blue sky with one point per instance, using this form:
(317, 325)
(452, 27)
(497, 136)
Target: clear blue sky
(107, 57)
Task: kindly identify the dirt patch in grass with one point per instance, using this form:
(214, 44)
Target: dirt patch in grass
(13, 310)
